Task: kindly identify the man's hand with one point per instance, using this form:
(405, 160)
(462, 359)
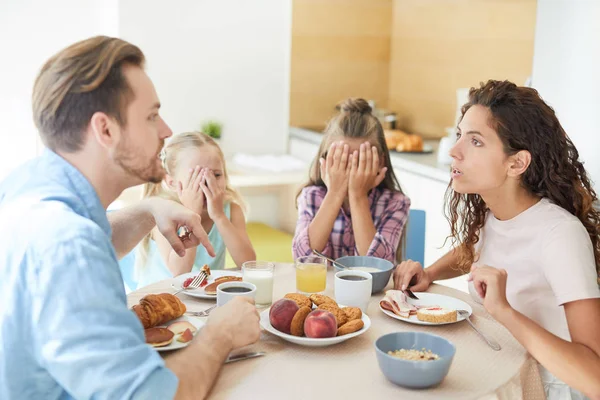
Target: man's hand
(237, 321)
(170, 217)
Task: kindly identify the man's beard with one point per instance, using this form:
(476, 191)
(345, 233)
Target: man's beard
(134, 164)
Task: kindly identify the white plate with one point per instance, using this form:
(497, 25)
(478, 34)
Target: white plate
(432, 299)
(311, 342)
(200, 293)
(174, 345)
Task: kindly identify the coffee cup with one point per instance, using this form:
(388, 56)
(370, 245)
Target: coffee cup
(228, 290)
(353, 288)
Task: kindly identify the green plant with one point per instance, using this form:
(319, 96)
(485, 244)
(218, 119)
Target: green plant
(212, 129)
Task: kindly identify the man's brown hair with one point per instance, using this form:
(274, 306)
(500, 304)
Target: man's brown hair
(79, 81)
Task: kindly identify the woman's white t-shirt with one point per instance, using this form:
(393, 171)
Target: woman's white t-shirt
(549, 258)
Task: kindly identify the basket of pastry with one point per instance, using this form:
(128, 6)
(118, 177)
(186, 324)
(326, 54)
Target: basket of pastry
(402, 142)
(313, 321)
(165, 326)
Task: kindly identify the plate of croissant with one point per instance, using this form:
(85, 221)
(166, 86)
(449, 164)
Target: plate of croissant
(165, 326)
(315, 321)
(208, 290)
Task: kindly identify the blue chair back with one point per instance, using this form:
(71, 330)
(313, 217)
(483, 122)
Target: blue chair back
(415, 237)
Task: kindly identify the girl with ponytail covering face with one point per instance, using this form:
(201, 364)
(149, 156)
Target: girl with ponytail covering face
(353, 203)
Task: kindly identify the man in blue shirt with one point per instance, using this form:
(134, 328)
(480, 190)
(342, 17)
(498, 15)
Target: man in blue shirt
(65, 329)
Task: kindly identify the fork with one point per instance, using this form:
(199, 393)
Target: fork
(491, 342)
(203, 313)
(195, 284)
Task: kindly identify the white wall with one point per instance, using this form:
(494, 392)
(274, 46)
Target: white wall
(30, 32)
(566, 71)
(226, 59)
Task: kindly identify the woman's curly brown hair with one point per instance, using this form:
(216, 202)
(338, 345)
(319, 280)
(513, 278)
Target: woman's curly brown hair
(524, 121)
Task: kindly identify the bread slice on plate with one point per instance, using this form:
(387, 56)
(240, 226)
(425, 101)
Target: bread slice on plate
(436, 315)
(212, 288)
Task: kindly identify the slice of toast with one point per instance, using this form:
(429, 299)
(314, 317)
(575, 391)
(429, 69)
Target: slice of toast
(436, 315)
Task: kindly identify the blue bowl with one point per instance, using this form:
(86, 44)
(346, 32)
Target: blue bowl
(380, 279)
(414, 374)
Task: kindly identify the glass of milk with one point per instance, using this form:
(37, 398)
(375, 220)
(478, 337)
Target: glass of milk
(260, 273)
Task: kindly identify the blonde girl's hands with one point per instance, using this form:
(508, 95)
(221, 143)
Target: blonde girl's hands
(335, 169)
(215, 195)
(490, 284)
(189, 191)
(365, 170)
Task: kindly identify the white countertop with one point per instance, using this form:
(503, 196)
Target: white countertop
(425, 165)
(252, 179)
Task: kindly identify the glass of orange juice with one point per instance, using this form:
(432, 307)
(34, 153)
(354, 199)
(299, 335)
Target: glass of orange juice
(311, 274)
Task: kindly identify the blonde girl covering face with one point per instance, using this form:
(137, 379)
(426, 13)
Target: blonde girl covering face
(197, 178)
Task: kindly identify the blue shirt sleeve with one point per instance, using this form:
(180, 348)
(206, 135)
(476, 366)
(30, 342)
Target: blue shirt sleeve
(85, 335)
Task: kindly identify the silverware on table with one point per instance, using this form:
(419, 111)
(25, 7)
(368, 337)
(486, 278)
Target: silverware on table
(203, 313)
(340, 265)
(195, 284)
(244, 356)
(410, 294)
(491, 342)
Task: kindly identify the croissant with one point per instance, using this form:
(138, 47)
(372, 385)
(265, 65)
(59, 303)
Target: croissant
(157, 309)
(402, 141)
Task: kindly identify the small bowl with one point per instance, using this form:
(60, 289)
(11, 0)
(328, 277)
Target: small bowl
(414, 374)
(380, 279)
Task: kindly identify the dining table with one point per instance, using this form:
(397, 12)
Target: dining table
(349, 370)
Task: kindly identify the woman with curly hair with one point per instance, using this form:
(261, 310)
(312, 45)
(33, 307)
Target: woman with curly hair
(523, 223)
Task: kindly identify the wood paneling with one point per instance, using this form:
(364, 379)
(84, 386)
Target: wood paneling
(439, 46)
(409, 56)
(340, 48)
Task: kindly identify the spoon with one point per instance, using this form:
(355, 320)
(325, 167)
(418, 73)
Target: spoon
(330, 260)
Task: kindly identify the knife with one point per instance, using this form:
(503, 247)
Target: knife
(244, 356)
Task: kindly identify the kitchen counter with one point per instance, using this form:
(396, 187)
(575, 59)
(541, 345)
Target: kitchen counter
(425, 165)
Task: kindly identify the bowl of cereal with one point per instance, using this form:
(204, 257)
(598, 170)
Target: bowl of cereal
(414, 359)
